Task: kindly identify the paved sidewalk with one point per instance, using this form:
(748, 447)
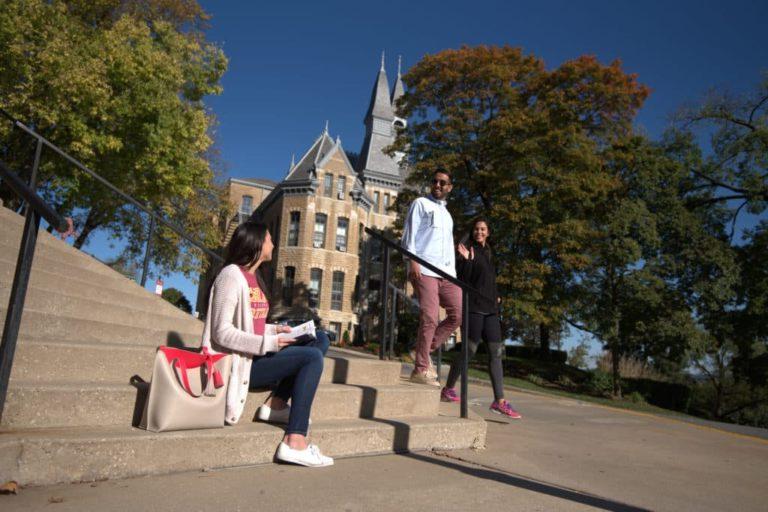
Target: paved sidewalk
(564, 455)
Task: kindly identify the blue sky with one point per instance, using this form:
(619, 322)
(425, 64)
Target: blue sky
(294, 65)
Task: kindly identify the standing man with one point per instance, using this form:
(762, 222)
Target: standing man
(428, 233)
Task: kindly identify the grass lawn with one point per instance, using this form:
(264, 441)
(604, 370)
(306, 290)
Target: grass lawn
(526, 385)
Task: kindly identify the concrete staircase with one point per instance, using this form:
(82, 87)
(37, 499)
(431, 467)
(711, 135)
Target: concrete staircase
(87, 330)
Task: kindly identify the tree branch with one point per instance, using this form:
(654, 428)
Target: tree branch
(757, 107)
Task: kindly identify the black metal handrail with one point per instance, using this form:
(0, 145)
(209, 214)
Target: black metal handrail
(158, 218)
(37, 208)
(466, 289)
(29, 196)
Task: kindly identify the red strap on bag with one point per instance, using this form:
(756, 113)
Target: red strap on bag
(182, 360)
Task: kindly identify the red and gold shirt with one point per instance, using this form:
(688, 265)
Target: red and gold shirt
(259, 304)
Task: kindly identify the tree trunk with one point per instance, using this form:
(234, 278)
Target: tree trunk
(616, 374)
(91, 223)
(544, 341)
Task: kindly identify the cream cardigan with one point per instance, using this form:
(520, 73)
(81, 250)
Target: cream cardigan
(229, 328)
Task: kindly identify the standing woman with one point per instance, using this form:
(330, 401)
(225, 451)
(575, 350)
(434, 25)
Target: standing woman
(236, 324)
(475, 267)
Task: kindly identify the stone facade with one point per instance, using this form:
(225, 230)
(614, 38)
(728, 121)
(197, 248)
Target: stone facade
(358, 196)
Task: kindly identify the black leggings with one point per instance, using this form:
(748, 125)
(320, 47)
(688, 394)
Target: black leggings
(486, 328)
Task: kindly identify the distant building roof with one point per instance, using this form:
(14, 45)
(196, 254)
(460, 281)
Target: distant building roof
(259, 182)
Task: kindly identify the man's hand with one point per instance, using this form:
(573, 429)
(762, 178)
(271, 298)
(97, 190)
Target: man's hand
(414, 272)
(283, 328)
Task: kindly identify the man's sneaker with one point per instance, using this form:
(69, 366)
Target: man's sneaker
(449, 395)
(418, 377)
(311, 456)
(505, 409)
(431, 370)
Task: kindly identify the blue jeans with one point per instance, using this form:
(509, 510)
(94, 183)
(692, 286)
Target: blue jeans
(298, 371)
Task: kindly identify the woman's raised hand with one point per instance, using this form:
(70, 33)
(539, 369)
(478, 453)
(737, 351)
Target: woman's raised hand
(467, 254)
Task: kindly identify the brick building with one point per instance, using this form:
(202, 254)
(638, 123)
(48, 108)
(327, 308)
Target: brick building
(321, 264)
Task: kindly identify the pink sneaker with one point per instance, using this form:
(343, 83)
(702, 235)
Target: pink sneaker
(449, 395)
(505, 409)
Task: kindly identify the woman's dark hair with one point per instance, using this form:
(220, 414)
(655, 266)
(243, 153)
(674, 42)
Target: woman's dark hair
(244, 249)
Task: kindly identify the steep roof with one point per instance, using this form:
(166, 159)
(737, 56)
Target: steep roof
(398, 90)
(308, 163)
(380, 105)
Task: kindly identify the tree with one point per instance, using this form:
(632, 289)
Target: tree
(736, 170)
(118, 84)
(524, 147)
(578, 355)
(177, 298)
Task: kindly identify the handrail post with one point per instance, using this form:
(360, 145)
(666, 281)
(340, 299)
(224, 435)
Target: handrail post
(439, 361)
(19, 288)
(148, 250)
(464, 353)
(384, 300)
(392, 327)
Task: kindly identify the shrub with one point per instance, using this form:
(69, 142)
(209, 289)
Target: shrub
(600, 383)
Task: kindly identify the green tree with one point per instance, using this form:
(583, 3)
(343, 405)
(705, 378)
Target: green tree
(177, 298)
(626, 296)
(524, 147)
(120, 86)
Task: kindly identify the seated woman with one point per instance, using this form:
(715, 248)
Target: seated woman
(236, 324)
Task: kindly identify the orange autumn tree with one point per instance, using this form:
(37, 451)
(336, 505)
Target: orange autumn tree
(527, 150)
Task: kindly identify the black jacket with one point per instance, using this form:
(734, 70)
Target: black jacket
(480, 274)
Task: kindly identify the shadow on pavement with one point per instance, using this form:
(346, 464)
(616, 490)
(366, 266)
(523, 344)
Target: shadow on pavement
(531, 485)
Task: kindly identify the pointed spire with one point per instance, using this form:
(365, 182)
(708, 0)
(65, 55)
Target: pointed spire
(381, 105)
(326, 127)
(338, 140)
(293, 164)
(398, 90)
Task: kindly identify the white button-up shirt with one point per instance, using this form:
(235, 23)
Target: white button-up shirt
(428, 233)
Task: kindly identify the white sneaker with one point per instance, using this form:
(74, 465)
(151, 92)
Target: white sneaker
(270, 415)
(431, 369)
(310, 457)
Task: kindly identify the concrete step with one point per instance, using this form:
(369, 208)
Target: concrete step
(60, 304)
(80, 269)
(60, 404)
(38, 361)
(50, 249)
(43, 325)
(43, 457)
(97, 288)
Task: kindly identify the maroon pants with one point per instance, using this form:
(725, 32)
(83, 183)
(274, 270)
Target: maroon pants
(433, 293)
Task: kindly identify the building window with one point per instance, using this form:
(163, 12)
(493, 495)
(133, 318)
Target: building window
(246, 207)
(293, 229)
(328, 185)
(290, 275)
(376, 202)
(336, 328)
(376, 249)
(341, 234)
(386, 204)
(318, 238)
(341, 187)
(360, 240)
(337, 290)
(315, 287)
